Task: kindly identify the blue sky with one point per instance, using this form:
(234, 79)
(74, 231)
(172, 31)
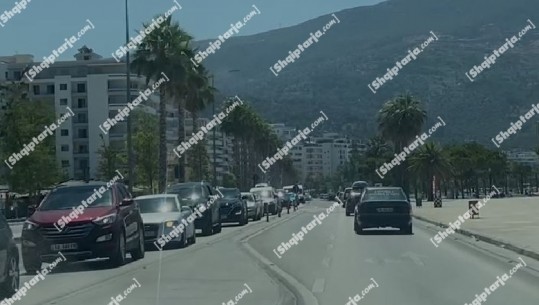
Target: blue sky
(44, 25)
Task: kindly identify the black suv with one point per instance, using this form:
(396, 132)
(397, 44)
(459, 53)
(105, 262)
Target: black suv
(195, 195)
(232, 207)
(83, 220)
(9, 261)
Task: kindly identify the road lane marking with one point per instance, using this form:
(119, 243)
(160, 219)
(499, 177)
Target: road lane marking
(318, 286)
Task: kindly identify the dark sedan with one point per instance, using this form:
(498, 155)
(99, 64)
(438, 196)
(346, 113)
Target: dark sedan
(383, 207)
(355, 196)
(232, 207)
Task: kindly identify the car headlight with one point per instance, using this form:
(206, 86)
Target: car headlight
(28, 225)
(171, 224)
(105, 220)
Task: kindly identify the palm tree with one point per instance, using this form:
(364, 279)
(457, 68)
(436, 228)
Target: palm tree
(399, 121)
(163, 51)
(429, 161)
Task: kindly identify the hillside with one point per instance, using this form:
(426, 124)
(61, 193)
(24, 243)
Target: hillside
(333, 74)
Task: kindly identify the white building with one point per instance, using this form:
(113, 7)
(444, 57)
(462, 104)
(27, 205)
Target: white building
(95, 89)
(523, 157)
(317, 155)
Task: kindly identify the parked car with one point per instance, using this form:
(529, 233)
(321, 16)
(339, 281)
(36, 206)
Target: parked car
(9, 261)
(346, 195)
(308, 197)
(254, 206)
(232, 207)
(355, 195)
(269, 197)
(110, 225)
(196, 194)
(383, 207)
(162, 214)
(262, 185)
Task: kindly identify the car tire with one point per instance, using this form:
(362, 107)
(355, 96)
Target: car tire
(184, 242)
(139, 252)
(193, 239)
(31, 266)
(408, 230)
(118, 259)
(207, 230)
(358, 228)
(219, 227)
(11, 283)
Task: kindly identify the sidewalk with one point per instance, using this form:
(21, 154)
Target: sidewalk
(513, 222)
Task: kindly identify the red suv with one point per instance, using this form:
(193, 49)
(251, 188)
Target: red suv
(83, 220)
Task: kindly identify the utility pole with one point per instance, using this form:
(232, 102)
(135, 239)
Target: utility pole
(128, 100)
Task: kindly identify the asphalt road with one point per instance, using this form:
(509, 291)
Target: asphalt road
(328, 266)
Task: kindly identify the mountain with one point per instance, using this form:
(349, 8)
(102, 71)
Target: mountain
(332, 75)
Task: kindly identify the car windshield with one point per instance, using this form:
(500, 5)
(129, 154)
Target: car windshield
(230, 193)
(157, 205)
(188, 192)
(66, 198)
(384, 194)
(264, 193)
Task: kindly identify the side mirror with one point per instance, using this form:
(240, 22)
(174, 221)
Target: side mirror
(31, 210)
(186, 209)
(127, 202)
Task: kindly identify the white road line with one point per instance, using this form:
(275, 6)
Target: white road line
(318, 286)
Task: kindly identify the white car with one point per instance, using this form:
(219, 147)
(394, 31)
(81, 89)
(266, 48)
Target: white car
(161, 214)
(255, 208)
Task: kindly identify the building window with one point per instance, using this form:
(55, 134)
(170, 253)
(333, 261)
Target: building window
(83, 133)
(63, 87)
(36, 89)
(50, 89)
(81, 88)
(63, 101)
(82, 118)
(65, 148)
(82, 103)
(64, 132)
(65, 163)
(17, 75)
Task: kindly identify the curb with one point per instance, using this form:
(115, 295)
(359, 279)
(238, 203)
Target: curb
(302, 294)
(490, 240)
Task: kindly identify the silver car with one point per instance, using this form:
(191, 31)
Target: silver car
(162, 215)
(254, 206)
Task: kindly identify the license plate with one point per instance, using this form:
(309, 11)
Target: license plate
(60, 247)
(150, 233)
(385, 210)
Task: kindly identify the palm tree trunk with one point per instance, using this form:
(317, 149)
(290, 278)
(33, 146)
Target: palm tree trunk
(181, 138)
(162, 141)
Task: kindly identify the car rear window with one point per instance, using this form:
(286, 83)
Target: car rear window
(383, 194)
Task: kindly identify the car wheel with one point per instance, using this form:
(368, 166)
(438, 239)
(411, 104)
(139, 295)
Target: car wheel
(208, 227)
(139, 252)
(31, 265)
(11, 283)
(194, 238)
(219, 227)
(408, 230)
(358, 228)
(183, 242)
(119, 257)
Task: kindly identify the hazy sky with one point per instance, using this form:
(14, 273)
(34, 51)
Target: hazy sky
(44, 25)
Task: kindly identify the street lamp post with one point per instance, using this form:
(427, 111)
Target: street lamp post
(128, 99)
(214, 146)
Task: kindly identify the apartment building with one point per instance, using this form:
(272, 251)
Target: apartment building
(94, 88)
